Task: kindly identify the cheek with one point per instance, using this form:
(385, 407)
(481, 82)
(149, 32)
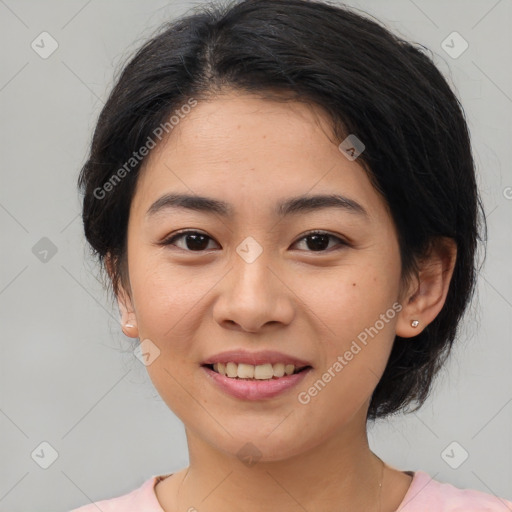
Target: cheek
(168, 303)
(356, 310)
(347, 300)
(358, 329)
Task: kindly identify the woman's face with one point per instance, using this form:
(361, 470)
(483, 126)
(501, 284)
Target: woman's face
(256, 282)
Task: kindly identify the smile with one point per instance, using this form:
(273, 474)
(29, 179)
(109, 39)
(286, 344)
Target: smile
(255, 388)
(265, 371)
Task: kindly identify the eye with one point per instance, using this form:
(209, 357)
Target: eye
(319, 241)
(194, 241)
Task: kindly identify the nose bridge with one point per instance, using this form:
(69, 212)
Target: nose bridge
(251, 268)
(252, 296)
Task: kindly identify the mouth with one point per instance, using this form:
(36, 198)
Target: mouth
(259, 382)
(266, 371)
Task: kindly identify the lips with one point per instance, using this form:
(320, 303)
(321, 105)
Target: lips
(254, 390)
(255, 358)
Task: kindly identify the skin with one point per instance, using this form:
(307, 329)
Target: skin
(252, 153)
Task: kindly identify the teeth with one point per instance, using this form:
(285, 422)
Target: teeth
(249, 371)
(231, 370)
(279, 369)
(246, 371)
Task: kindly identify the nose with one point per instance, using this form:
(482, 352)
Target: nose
(253, 296)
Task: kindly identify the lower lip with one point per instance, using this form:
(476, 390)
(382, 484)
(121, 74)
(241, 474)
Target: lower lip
(255, 389)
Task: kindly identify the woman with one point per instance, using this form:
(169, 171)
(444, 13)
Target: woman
(283, 195)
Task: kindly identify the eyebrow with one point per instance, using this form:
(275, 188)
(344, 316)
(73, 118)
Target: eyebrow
(290, 206)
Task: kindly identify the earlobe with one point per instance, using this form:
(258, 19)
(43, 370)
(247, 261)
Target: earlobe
(427, 294)
(130, 330)
(128, 319)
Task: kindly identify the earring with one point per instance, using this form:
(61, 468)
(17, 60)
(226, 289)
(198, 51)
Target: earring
(129, 325)
(415, 323)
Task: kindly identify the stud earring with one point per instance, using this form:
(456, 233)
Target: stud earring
(415, 323)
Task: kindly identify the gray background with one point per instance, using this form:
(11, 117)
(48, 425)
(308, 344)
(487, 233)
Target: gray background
(68, 375)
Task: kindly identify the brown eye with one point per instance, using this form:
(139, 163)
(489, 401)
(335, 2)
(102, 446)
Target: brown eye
(318, 241)
(194, 241)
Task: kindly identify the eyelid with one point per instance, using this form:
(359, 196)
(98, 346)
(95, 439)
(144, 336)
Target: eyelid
(167, 240)
(343, 242)
(342, 239)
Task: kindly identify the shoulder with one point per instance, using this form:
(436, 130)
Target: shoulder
(425, 493)
(142, 498)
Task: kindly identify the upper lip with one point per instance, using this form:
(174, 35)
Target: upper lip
(255, 358)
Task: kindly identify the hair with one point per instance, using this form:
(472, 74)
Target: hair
(370, 82)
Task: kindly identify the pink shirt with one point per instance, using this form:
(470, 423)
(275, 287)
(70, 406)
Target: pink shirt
(424, 495)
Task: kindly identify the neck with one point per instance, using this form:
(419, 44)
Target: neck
(340, 474)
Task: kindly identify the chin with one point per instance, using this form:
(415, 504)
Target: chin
(257, 446)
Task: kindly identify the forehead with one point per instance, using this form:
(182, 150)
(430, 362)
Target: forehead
(251, 152)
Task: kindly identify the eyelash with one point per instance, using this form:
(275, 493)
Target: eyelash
(169, 241)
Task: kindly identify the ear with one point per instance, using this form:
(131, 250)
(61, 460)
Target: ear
(426, 293)
(124, 302)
